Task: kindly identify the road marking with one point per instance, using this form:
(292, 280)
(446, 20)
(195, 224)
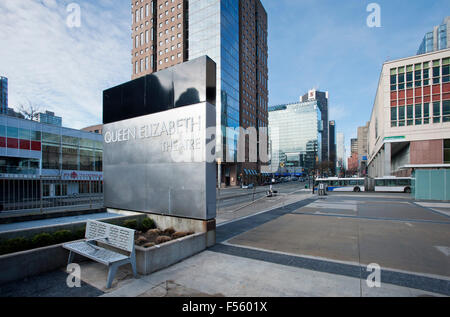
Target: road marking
(445, 250)
(447, 213)
(435, 205)
(321, 205)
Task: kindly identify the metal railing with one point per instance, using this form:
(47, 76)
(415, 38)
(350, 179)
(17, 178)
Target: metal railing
(22, 193)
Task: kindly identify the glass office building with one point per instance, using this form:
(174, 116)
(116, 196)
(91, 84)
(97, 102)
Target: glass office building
(3, 95)
(295, 132)
(214, 31)
(49, 118)
(436, 40)
(32, 148)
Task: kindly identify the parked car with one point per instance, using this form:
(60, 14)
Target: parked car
(249, 186)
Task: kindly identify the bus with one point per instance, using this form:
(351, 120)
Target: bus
(335, 184)
(393, 184)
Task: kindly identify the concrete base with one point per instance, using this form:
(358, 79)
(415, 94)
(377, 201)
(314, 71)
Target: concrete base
(162, 256)
(181, 224)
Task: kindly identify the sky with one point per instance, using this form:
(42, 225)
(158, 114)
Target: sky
(322, 44)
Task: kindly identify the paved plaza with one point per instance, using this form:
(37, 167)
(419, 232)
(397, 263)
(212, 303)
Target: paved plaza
(295, 244)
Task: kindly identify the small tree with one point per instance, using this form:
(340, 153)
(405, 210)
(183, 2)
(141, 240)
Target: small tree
(29, 110)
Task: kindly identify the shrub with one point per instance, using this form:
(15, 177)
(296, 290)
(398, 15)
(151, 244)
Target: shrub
(79, 234)
(41, 240)
(14, 245)
(62, 236)
(147, 224)
(130, 224)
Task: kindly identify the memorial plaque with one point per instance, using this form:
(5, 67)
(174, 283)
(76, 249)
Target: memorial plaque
(159, 163)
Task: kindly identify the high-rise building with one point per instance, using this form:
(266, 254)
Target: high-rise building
(340, 151)
(3, 95)
(436, 40)
(332, 145)
(253, 84)
(48, 117)
(362, 149)
(322, 102)
(234, 35)
(159, 35)
(295, 132)
(354, 146)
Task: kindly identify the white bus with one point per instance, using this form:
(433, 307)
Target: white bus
(393, 184)
(335, 184)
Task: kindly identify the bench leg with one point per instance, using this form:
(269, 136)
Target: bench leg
(112, 272)
(71, 256)
(133, 266)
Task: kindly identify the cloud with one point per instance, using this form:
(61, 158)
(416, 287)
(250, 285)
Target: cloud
(65, 69)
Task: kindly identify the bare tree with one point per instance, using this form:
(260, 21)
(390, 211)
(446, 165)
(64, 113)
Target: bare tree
(29, 110)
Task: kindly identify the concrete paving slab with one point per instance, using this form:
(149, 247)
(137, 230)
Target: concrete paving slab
(214, 273)
(398, 211)
(332, 238)
(96, 274)
(410, 247)
(218, 274)
(392, 245)
(51, 284)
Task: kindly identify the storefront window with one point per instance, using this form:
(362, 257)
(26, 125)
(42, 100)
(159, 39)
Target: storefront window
(86, 160)
(69, 157)
(98, 161)
(50, 157)
(447, 151)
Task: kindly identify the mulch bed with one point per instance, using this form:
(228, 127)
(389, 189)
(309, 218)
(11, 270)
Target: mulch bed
(156, 236)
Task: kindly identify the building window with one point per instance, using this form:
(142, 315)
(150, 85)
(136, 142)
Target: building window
(447, 151)
(426, 113)
(436, 112)
(401, 116)
(446, 70)
(446, 111)
(394, 117)
(410, 115)
(418, 114)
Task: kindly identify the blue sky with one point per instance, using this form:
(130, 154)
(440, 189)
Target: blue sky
(323, 44)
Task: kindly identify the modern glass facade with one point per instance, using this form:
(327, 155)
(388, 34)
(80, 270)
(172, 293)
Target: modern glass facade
(214, 31)
(437, 39)
(295, 132)
(32, 148)
(3, 95)
(49, 118)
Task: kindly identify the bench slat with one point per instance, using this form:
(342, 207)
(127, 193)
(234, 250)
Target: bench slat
(118, 237)
(95, 253)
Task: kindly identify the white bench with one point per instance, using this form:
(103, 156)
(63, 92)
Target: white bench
(116, 237)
